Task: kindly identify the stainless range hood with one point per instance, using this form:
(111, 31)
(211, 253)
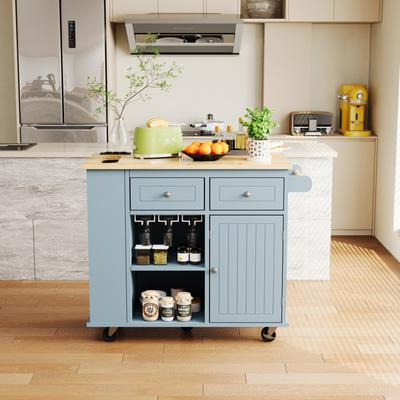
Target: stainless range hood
(186, 33)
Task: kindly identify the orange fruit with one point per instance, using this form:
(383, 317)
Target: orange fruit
(192, 149)
(216, 148)
(205, 148)
(197, 144)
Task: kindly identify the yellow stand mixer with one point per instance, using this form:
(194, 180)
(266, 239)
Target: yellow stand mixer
(353, 106)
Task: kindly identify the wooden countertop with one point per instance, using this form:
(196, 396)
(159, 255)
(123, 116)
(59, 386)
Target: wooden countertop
(279, 162)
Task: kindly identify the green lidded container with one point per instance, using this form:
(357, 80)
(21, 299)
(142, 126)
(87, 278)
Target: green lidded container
(157, 142)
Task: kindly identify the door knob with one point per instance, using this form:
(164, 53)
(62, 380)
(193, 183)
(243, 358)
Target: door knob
(246, 194)
(214, 270)
(167, 194)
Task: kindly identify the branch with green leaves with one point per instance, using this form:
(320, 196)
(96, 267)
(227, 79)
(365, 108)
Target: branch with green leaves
(148, 74)
(259, 123)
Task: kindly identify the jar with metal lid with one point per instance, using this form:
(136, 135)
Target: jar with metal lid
(183, 255)
(160, 254)
(150, 310)
(142, 254)
(195, 255)
(167, 308)
(183, 306)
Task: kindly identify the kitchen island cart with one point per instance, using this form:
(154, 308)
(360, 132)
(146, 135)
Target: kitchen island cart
(241, 216)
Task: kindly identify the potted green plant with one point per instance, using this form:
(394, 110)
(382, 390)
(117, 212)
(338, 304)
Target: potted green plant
(259, 123)
(148, 74)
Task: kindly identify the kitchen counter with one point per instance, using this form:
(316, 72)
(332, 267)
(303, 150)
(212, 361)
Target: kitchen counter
(296, 148)
(43, 233)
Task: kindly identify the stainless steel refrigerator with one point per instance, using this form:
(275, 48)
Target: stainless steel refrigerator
(61, 43)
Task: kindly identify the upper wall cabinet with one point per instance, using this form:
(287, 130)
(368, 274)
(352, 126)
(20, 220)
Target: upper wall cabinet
(223, 6)
(120, 8)
(311, 10)
(181, 6)
(334, 10)
(357, 10)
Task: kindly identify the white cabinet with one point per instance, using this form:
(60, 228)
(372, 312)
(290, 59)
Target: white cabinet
(181, 6)
(120, 8)
(353, 185)
(223, 6)
(357, 10)
(311, 10)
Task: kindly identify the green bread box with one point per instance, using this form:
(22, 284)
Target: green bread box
(157, 142)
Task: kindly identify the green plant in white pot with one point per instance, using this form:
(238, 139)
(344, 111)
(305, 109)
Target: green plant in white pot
(259, 123)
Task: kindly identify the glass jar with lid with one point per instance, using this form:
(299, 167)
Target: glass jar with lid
(160, 254)
(142, 254)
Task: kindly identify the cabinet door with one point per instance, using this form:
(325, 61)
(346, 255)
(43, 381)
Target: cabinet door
(353, 186)
(311, 10)
(181, 6)
(222, 7)
(121, 8)
(246, 257)
(357, 10)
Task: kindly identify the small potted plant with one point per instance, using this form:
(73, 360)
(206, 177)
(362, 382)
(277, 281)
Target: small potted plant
(259, 125)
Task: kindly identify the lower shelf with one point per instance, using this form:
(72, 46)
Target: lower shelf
(137, 320)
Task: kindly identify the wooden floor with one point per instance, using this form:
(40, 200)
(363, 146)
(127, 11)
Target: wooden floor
(343, 343)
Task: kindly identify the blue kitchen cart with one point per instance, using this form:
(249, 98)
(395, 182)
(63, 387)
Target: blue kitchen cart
(243, 207)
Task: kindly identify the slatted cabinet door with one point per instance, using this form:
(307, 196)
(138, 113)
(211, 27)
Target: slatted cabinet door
(246, 268)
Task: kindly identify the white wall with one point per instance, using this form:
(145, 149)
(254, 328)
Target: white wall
(305, 64)
(223, 85)
(385, 66)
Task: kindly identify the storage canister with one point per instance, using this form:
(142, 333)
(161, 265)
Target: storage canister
(195, 255)
(142, 254)
(183, 255)
(150, 308)
(167, 308)
(152, 293)
(183, 306)
(160, 254)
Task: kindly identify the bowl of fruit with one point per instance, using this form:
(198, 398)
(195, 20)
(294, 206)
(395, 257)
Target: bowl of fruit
(206, 151)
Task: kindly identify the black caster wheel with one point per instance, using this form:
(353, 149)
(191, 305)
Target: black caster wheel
(266, 336)
(187, 328)
(107, 337)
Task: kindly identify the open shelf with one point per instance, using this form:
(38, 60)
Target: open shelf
(137, 320)
(171, 266)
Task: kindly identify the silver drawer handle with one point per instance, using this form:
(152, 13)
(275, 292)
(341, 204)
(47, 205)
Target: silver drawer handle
(247, 194)
(167, 194)
(214, 270)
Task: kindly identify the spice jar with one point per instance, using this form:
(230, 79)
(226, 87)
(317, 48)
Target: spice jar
(195, 255)
(183, 306)
(150, 309)
(142, 254)
(167, 309)
(160, 254)
(183, 255)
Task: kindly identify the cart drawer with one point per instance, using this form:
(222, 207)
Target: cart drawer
(167, 193)
(246, 194)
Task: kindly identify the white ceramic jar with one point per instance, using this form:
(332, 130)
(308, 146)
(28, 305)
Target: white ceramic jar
(183, 306)
(167, 308)
(150, 309)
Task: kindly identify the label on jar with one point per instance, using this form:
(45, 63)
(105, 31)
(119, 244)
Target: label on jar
(195, 257)
(183, 257)
(150, 310)
(184, 310)
(167, 312)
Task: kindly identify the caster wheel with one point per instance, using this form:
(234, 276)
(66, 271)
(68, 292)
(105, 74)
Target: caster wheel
(107, 337)
(266, 336)
(187, 328)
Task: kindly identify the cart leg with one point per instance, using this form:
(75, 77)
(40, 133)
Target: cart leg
(268, 334)
(110, 334)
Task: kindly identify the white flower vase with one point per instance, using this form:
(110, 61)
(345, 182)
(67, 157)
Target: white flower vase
(260, 150)
(119, 135)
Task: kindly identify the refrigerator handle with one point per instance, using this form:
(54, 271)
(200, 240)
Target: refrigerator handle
(69, 127)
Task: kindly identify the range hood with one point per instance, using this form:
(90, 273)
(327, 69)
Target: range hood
(186, 33)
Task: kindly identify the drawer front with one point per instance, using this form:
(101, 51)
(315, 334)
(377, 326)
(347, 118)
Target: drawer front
(246, 194)
(167, 194)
